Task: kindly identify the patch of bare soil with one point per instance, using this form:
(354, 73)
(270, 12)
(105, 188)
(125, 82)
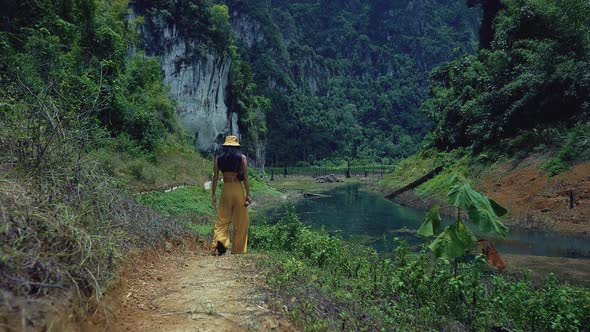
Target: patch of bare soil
(536, 200)
(575, 271)
(191, 290)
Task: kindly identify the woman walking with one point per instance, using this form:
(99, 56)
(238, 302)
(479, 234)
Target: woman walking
(233, 203)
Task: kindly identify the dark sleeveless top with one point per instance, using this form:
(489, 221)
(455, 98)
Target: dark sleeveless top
(231, 163)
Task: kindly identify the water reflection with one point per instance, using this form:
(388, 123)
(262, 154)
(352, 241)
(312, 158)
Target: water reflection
(352, 211)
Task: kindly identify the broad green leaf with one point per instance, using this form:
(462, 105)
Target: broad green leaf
(454, 178)
(461, 195)
(432, 222)
(453, 241)
(482, 212)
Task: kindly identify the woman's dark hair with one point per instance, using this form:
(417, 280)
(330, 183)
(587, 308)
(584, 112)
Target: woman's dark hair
(229, 159)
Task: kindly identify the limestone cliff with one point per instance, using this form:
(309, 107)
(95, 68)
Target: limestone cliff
(198, 77)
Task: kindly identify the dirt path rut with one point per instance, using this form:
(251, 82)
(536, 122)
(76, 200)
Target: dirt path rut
(191, 290)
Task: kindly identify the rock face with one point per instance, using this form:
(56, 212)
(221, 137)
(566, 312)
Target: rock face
(198, 78)
(330, 178)
(247, 30)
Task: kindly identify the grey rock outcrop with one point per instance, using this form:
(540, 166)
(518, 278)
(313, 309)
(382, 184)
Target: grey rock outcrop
(198, 78)
(330, 178)
(247, 30)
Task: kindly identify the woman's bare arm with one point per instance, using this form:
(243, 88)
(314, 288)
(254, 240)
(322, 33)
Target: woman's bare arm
(246, 183)
(214, 184)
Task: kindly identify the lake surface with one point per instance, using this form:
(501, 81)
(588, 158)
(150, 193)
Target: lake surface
(352, 211)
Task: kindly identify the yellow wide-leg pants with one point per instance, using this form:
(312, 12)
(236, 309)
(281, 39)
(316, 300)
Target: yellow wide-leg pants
(232, 208)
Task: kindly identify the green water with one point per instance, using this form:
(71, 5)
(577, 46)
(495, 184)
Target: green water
(352, 211)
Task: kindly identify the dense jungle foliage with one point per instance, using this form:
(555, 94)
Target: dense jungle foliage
(347, 77)
(530, 85)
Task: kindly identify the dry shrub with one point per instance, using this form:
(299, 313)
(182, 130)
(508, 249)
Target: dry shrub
(64, 228)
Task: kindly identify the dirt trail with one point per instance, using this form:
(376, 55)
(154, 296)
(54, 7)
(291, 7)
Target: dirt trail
(191, 290)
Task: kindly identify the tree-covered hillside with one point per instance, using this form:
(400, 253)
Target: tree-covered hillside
(346, 78)
(534, 77)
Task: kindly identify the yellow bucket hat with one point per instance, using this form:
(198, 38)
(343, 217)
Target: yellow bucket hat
(231, 141)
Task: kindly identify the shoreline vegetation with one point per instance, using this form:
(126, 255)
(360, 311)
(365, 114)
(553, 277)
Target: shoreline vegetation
(328, 283)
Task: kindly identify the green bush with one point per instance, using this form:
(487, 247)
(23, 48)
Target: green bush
(302, 164)
(574, 146)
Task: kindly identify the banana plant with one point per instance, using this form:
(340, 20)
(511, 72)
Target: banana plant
(455, 239)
